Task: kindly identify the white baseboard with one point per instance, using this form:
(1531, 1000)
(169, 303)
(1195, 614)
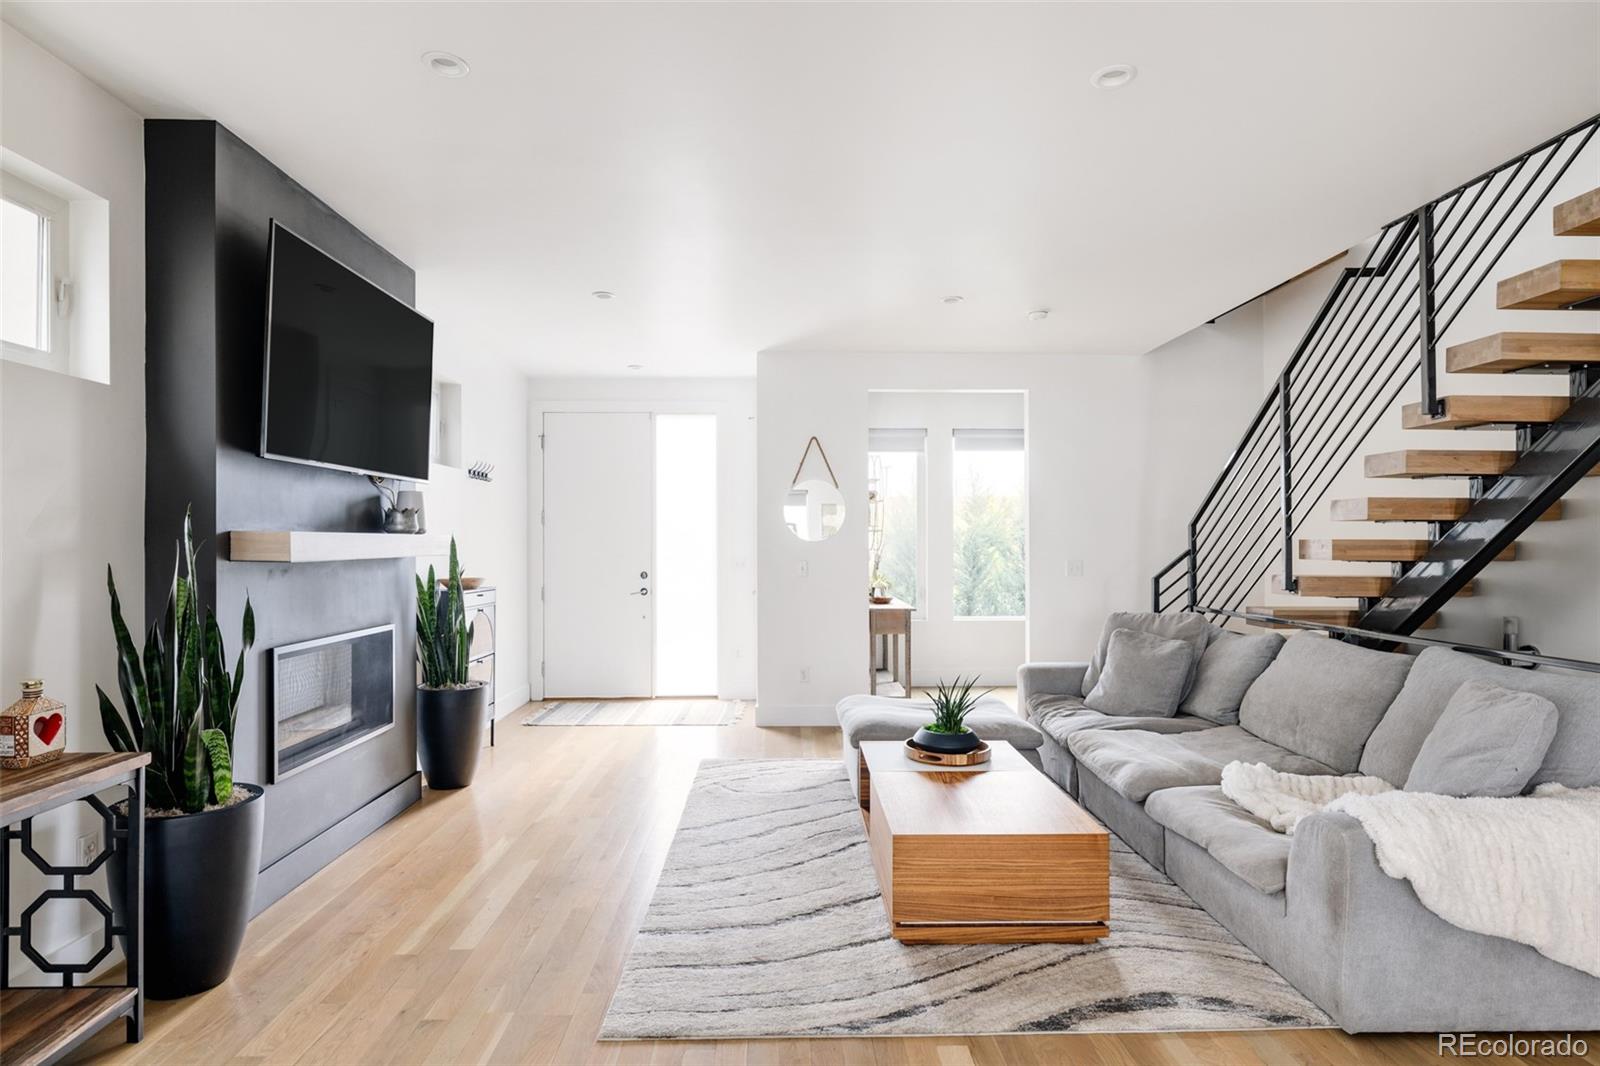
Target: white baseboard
(768, 714)
(25, 974)
(504, 705)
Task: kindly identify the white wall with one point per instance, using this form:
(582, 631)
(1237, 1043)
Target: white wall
(733, 401)
(488, 519)
(72, 451)
(942, 645)
(1554, 584)
(1120, 450)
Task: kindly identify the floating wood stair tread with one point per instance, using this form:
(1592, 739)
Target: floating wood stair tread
(1506, 353)
(1564, 284)
(1579, 216)
(1441, 462)
(1412, 509)
(1487, 412)
(42, 1022)
(1328, 616)
(1348, 586)
(1375, 550)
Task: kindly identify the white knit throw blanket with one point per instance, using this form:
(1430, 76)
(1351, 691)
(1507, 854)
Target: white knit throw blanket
(1523, 868)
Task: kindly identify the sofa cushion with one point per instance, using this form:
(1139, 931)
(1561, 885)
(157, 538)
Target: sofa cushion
(1322, 698)
(1144, 674)
(1183, 626)
(1488, 742)
(1136, 763)
(1246, 846)
(1062, 716)
(1229, 666)
(889, 718)
(1573, 758)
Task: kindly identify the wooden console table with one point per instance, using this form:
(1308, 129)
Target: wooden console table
(889, 622)
(40, 1025)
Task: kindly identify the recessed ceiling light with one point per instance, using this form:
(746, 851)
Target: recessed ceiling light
(1113, 77)
(635, 366)
(1038, 314)
(953, 299)
(446, 64)
(602, 294)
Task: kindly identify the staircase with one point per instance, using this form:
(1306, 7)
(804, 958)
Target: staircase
(1375, 335)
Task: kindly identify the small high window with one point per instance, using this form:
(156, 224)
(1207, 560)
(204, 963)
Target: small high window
(34, 284)
(55, 293)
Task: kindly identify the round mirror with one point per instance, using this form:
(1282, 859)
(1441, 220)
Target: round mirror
(814, 510)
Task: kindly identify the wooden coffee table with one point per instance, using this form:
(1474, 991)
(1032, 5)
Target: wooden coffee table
(994, 856)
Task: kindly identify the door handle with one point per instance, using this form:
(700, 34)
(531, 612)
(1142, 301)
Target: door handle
(641, 592)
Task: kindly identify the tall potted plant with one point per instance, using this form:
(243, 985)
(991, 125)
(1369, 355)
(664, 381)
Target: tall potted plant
(202, 828)
(450, 707)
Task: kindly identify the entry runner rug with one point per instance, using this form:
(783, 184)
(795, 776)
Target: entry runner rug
(767, 922)
(637, 712)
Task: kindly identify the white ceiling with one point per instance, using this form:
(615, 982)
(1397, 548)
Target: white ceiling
(819, 175)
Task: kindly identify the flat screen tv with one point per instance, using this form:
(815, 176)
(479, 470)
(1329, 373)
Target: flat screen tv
(348, 372)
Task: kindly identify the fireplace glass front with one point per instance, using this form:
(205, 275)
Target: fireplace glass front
(330, 694)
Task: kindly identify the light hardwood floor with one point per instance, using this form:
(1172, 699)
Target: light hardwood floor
(489, 925)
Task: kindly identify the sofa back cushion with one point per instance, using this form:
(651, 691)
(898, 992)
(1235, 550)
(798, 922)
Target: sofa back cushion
(1322, 697)
(1143, 675)
(1191, 628)
(1226, 671)
(1573, 758)
(1488, 742)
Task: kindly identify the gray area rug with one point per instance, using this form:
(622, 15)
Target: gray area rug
(767, 922)
(637, 712)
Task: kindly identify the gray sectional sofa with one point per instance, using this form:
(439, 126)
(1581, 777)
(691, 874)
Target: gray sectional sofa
(1315, 905)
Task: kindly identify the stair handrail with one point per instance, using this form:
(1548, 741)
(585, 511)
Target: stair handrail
(1371, 637)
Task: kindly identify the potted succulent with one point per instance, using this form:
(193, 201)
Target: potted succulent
(948, 733)
(203, 829)
(450, 707)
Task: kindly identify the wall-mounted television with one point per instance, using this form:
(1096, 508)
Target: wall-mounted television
(347, 379)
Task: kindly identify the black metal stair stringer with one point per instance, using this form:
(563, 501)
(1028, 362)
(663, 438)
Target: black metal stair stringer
(1545, 472)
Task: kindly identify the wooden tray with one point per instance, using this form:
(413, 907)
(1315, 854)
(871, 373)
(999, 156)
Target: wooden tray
(976, 757)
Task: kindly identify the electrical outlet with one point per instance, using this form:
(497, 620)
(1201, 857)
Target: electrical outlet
(88, 848)
(805, 568)
(1074, 567)
(805, 675)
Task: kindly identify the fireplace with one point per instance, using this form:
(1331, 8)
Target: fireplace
(329, 695)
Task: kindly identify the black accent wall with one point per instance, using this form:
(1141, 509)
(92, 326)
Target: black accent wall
(209, 201)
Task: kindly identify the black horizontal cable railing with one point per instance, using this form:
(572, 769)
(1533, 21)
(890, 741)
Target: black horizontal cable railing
(1375, 333)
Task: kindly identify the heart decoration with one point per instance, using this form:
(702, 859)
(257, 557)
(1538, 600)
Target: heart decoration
(46, 726)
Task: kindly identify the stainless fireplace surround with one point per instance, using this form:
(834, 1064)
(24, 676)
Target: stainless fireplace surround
(328, 695)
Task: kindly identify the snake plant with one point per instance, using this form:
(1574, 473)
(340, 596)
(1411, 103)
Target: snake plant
(443, 635)
(179, 702)
(951, 704)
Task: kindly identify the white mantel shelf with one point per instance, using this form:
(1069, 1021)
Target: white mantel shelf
(306, 546)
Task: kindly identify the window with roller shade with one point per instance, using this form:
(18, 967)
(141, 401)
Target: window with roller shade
(989, 470)
(896, 518)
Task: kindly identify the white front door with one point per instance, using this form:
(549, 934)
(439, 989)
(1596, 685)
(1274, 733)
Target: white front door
(599, 524)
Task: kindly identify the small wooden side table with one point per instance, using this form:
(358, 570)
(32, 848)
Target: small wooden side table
(41, 1025)
(889, 622)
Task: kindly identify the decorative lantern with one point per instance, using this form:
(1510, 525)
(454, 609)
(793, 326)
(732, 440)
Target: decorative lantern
(33, 730)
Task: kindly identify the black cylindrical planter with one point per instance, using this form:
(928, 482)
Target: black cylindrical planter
(947, 743)
(449, 733)
(199, 880)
